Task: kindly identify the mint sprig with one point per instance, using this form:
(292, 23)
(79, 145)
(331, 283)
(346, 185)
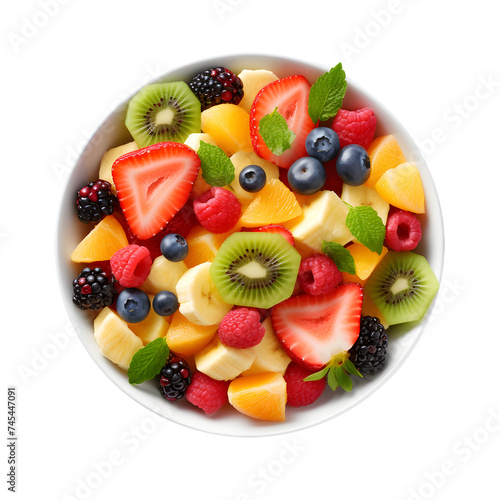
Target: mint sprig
(216, 167)
(274, 130)
(340, 256)
(326, 95)
(367, 227)
(337, 372)
(148, 361)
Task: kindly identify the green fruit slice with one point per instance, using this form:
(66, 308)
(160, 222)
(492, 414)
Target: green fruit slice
(255, 269)
(402, 287)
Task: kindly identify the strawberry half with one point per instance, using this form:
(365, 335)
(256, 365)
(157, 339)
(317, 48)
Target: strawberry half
(314, 328)
(291, 96)
(153, 184)
(271, 228)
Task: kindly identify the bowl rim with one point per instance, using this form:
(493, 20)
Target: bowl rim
(255, 429)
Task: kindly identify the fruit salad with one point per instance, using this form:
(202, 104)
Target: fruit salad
(253, 243)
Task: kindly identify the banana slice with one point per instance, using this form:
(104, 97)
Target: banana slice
(221, 362)
(115, 339)
(199, 300)
(364, 195)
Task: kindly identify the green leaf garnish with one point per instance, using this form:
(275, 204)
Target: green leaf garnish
(148, 361)
(274, 130)
(367, 227)
(337, 372)
(340, 255)
(216, 167)
(326, 95)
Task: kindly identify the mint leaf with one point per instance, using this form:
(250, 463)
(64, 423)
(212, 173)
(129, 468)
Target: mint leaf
(318, 375)
(274, 130)
(148, 361)
(326, 95)
(216, 167)
(367, 227)
(340, 255)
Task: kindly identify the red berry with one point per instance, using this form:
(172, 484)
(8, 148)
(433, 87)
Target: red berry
(207, 393)
(241, 328)
(217, 210)
(271, 228)
(333, 181)
(318, 274)
(402, 231)
(131, 265)
(300, 393)
(355, 127)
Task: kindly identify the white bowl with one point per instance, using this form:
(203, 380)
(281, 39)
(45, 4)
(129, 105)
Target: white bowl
(227, 421)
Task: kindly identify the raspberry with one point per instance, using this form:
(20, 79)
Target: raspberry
(131, 265)
(207, 393)
(241, 328)
(355, 127)
(318, 274)
(217, 210)
(402, 231)
(300, 393)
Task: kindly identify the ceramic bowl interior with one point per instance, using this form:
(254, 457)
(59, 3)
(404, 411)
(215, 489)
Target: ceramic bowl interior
(112, 132)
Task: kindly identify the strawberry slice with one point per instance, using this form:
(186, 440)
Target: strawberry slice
(153, 184)
(291, 96)
(314, 328)
(271, 228)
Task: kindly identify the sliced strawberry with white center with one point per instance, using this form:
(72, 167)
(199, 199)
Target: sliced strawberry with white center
(314, 328)
(271, 228)
(291, 96)
(153, 184)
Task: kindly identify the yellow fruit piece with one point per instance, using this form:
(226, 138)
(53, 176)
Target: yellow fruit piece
(102, 242)
(365, 262)
(261, 396)
(186, 338)
(370, 309)
(385, 154)
(203, 245)
(151, 328)
(110, 157)
(402, 187)
(253, 81)
(229, 126)
(164, 275)
(274, 204)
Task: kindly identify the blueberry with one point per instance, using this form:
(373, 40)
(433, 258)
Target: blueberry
(306, 175)
(174, 247)
(252, 178)
(133, 305)
(165, 303)
(353, 165)
(323, 144)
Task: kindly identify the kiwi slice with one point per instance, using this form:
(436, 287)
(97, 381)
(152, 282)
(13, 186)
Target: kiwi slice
(163, 112)
(255, 269)
(402, 287)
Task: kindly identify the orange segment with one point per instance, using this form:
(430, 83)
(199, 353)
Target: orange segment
(186, 338)
(229, 126)
(151, 328)
(102, 242)
(370, 309)
(385, 154)
(274, 204)
(261, 396)
(365, 262)
(203, 245)
(402, 187)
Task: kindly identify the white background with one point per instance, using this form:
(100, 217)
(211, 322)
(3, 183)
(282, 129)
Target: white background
(430, 432)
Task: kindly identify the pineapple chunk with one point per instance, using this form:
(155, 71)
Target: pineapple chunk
(164, 275)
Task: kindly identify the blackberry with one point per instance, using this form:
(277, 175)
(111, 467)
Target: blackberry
(368, 353)
(174, 378)
(94, 201)
(93, 289)
(217, 86)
